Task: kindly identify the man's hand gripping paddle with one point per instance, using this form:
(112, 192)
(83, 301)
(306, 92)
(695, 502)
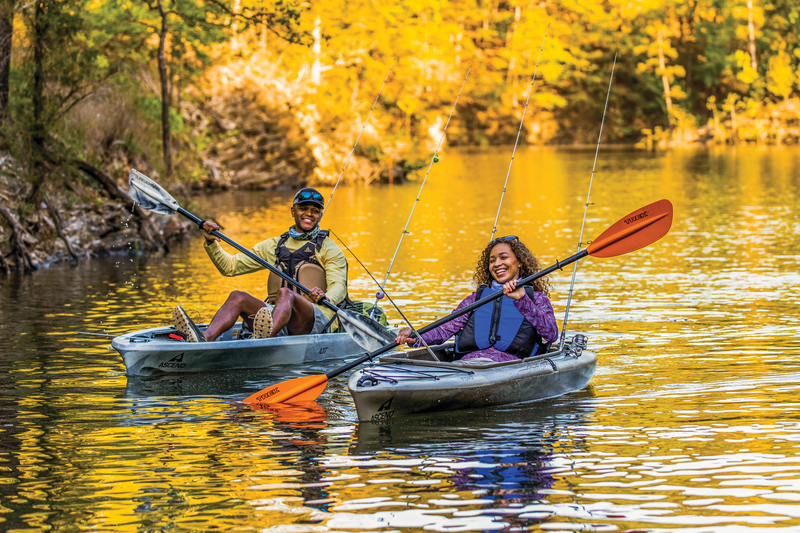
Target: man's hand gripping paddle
(368, 333)
(633, 232)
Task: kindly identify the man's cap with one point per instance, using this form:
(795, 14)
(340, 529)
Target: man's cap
(308, 195)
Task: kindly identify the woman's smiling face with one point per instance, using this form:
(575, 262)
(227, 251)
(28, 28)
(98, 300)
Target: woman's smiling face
(503, 264)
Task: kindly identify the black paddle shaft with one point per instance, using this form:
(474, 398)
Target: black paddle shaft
(455, 314)
(322, 301)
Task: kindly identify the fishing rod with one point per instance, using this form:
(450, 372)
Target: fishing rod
(530, 89)
(586, 207)
(383, 291)
(380, 287)
(363, 127)
(434, 159)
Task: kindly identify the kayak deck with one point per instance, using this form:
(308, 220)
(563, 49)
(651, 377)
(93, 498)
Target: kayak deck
(152, 351)
(412, 382)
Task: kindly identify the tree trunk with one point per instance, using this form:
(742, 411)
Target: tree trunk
(26, 262)
(37, 128)
(235, 45)
(689, 56)
(734, 127)
(458, 43)
(752, 31)
(663, 68)
(510, 74)
(155, 241)
(165, 97)
(316, 50)
(59, 224)
(263, 41)
(6, 34)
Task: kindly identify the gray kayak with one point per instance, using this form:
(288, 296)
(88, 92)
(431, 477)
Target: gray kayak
(412, 382)
(153, 351)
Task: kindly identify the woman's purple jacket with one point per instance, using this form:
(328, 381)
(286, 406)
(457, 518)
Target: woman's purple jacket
(539, 312)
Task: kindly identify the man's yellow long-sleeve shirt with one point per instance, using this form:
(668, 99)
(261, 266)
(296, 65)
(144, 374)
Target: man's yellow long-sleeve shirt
(329, 256)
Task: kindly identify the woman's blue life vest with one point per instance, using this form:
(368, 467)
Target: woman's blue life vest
(500, 325)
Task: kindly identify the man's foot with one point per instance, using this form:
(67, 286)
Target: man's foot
(262, 323)
(185, 325)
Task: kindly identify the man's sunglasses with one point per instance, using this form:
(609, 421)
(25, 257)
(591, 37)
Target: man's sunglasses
(308, 195)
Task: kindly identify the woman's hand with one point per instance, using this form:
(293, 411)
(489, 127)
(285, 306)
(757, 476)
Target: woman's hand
(208, 227)
(510, 289)
(403, 334)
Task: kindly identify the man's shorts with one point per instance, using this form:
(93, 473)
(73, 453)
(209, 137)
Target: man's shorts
(320, 321)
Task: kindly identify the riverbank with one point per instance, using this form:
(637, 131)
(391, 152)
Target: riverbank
(90, 216)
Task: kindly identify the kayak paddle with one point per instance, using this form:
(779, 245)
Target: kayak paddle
(635, 231)
(366, 332)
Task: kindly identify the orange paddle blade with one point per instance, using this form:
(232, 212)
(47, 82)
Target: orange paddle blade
(634, 231)
(304, 389)
(294, 412)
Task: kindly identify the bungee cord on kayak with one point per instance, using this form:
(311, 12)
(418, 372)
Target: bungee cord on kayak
(394, 373)
(434, 159)
(514, 151)
(586, 207)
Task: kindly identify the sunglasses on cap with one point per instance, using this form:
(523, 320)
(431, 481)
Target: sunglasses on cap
(308, 195)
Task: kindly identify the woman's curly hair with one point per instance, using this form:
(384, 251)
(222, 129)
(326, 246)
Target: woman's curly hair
(528, 265)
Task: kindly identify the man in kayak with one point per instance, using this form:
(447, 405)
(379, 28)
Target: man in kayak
(519, 324)
(303, 251)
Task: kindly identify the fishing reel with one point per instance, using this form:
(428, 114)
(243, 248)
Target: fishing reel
(576, 346)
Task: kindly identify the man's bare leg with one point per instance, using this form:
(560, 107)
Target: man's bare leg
(238, 304)
(293, 311)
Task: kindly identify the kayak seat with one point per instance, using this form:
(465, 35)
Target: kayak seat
(446, 353)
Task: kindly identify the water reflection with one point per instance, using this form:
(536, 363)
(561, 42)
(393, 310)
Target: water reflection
(691, 422)
(471, 470)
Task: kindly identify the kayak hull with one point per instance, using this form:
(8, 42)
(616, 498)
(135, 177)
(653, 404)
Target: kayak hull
(405, 384)
(148, 352)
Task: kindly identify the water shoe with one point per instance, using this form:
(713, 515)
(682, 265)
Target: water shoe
(185, 325)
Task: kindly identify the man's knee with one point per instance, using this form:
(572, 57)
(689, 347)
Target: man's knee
(237, 296)
(244, 302)
(285, 293)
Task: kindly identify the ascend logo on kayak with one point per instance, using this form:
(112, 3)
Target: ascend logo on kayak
(175, 362)
(386, 405)
(384, 412)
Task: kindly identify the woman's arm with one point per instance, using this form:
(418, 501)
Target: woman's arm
(448, 329)
(539, 312)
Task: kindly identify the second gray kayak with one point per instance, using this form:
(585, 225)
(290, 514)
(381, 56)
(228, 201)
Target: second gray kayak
(411, 382)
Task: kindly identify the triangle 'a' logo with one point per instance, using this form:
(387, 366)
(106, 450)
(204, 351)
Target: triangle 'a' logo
(386, 405)
(177, 359)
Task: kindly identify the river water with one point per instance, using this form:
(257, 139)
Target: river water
(691, 422)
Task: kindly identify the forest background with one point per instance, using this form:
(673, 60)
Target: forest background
(205, 94)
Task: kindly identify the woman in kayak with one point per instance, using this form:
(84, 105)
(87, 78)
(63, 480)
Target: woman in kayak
(518, 324)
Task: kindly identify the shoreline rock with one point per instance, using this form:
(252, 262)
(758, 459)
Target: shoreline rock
(74, 222)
